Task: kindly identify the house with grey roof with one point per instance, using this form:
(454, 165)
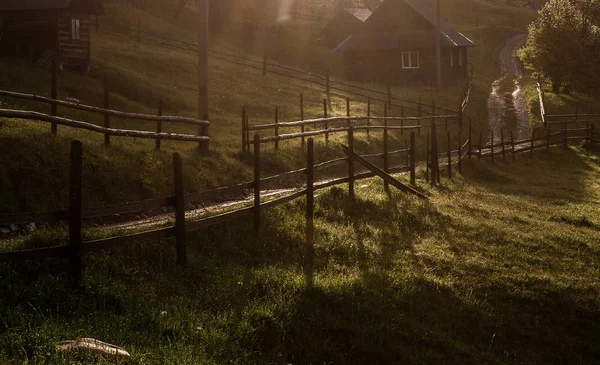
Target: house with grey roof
(397, 45)
(346, 21)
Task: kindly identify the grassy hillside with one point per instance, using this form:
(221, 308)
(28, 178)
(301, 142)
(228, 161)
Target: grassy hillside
(142, 75)
(499, 267)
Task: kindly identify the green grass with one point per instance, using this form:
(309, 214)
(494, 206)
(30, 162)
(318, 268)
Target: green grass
(499, 267)
(142, 75)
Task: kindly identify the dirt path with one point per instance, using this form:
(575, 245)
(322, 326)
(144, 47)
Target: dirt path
(499, 110)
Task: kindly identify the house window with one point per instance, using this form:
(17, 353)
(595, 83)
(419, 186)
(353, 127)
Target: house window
(410, 59)
(75, 29)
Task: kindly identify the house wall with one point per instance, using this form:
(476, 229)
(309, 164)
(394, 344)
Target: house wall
(30, 33)
(385, 66)
(74, 52)
(27, 34)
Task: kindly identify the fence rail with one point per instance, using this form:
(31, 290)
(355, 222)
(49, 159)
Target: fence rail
(107, 113)
(74, 250)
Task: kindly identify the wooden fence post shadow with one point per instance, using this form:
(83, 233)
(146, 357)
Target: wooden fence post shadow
(106, 114)
(256, 183)
(276, 128)
(412, 158)
(302, 116)
(159, 124)
(385, 147)
(75, 197)
(309, 254)
(179, 210)
(351, 163)
(243, 128)
(54, 91)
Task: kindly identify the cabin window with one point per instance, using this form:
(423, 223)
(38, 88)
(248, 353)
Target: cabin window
(75, 29)
(410, 59)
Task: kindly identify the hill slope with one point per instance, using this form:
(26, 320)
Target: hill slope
(499, 267)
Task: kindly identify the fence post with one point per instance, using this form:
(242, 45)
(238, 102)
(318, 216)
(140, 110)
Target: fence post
(389, 96)
(179, 210)
(243, 128)
(351, 163)
(385, 145)
(348, 110)
(502, 141)
(427, 159)
(460, 154)
(326, 122)
(512, 145)
(203, 131)
(54, 90)
(106, 115)
(480, 145)
(402, 120)
(310, 199)
(412, 158)
(159, 124)
(368, 116)
(434, 155)
(75, 211)
(532, 137)
(276, 127)
(492, 145)
(450, 157)
(407, 149)
(548, 140)
(256, 182)
(247, 125)
(470, 137)
(420, 107)
(327, 84)
(302, 116)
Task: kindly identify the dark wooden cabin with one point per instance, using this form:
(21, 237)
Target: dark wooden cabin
(38, 29)
(345, 22)
(397, 44)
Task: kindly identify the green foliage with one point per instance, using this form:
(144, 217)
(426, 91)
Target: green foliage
(564, 47)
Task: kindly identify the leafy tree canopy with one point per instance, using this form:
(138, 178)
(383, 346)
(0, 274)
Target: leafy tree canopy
(564, 45)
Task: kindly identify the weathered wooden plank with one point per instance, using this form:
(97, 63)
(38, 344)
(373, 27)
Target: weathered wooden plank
(284, 199)
(29, 115)
(115, 113)
(379, 172)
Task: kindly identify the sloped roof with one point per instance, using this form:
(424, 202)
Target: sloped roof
(454, 36)
(84, 5)
(361, 14)
(406, 38)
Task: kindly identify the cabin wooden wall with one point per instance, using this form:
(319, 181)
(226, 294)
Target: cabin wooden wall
(27, 34)
(74, 52)
(385, 66)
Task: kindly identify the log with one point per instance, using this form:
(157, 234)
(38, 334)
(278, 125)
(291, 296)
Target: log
(30, 115)
(379, 172)
(114, 113)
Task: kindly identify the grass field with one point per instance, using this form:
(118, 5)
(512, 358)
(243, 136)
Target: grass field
(142, 75)
(501, 266)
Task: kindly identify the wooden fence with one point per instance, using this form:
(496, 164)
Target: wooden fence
(437, 161)
(561, 120)
(325, 81)
(202, 138)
